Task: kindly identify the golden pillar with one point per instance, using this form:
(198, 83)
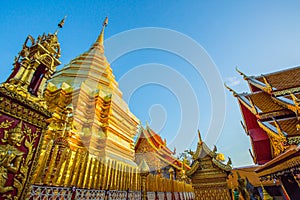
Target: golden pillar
(171, 171)
(82, 170)
(77, 168)
(45, 152)
(51, 165)
(108, 173)
(104, 172)
(60, 166)
(87, 172)
(100, 173)
(95, 174)
(91, 173)
(144, 172)
(70, 168)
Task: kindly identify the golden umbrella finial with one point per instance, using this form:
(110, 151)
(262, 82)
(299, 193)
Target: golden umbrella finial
(199, 136)
(62, 22)
(105, 22)
(100, 38)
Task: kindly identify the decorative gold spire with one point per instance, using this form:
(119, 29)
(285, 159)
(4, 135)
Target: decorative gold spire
(144, 168)
(279, 130)
(268, 85)
(100, 39)
(241, 73)
(199, 136)
(266, 194)
(297, 105)
(229, 162)
(231, 90)
(253, 107)
(60, 24)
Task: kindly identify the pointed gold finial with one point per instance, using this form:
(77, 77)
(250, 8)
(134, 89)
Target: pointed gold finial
(295, 99)
(143, 167)
(105, 22)
(266, 195)
(229, 162)
(231, 90)
(278, 127)
(253, 107)
(100, 39)
(297, 105)
(268, 85)
(215, 149)
(60, 24)
(199, 136)
(241, 73)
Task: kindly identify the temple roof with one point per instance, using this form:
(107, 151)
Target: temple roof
(262, 103)
(272, 110)
(289, 127)
(281, 80)
(287, 160)
(153, 139)
(203, 151)
(159, 146)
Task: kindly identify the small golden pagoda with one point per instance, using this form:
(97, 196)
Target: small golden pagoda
(24, 114)
(154, 151)
(208, 173)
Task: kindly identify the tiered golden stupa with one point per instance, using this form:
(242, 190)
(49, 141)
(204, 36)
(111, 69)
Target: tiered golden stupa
(100, 113)
(91, 125)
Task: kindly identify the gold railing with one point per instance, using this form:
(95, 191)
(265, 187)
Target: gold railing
(156, 183)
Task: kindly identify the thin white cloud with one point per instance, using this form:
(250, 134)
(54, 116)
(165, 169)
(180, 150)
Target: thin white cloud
(232, 81)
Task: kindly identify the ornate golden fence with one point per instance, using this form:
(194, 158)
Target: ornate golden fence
(64, 193)
(108, 181)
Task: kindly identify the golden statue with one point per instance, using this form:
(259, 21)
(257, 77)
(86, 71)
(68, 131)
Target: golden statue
(10, 156)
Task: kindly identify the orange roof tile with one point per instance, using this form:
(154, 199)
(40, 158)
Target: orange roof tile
(282, 80)
(264, 102)
(159, 146)
(156, 140)
(288, 126)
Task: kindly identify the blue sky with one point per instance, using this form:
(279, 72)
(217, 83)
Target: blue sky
(258, 37)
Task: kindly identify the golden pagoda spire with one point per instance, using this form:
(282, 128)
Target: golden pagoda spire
(266, 195)
(231, 90)
(100, 38)
(268, 85)
(241, 73)
(60, 24)
(199, 137)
